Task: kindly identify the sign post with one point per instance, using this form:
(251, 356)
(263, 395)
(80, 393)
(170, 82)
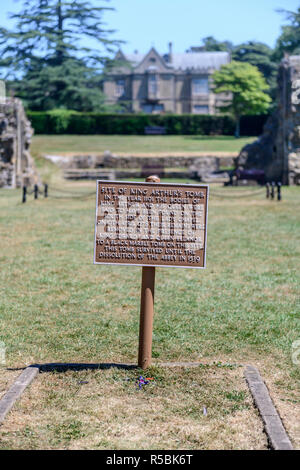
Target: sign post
(148, 225)
(146, 317)
(147, 308)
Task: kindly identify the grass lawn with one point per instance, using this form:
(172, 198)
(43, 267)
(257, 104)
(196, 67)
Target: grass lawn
(56, 306)
(54, 144)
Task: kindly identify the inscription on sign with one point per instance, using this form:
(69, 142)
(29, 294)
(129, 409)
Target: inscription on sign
(149, 224)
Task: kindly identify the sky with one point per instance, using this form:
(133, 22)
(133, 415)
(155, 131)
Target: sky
(146, 23)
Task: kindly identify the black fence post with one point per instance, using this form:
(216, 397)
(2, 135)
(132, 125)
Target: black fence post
(36, 191)
(46, 190)
(279, 191)
(24, 194)
(267, 190)
(272, 190)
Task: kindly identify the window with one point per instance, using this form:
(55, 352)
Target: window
(152, 85)
(120, 88)
(200, 86)
(158, 108)
(199, 109)
(147, 108)
(153, 108)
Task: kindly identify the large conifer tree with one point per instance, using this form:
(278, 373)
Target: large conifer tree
(289, 40)
(47, 55)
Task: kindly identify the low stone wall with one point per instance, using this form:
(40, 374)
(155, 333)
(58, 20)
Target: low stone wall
(135, 161)
(201, 167)
(113, 174)
(167, 161)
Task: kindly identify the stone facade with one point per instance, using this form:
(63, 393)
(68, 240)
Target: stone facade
(170, 83)
(16, 164)
(277, 151)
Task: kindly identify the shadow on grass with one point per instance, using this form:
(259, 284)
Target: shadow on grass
(64, 367)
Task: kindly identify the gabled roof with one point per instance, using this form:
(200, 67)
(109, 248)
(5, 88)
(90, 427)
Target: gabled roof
(135, 58)
(188, 61)
(152, 61)
(200, 60)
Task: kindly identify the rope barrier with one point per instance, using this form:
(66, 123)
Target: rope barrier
(65, 194)
(227, 194)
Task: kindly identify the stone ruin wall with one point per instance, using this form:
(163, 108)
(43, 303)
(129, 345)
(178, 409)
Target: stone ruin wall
(288, 136)
(277, 150)
(16, 164)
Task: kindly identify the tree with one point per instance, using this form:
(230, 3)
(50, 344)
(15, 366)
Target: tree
(261, 56)
(246, 85)
(210, 44)
(289, 40)
(47, 55)
(71, 85)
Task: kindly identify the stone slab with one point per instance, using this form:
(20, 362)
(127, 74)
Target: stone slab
(16, 390)
(274, 428)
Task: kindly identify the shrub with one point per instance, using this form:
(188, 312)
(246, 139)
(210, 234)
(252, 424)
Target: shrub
(59, 120)
(71, 122)
(39, 121)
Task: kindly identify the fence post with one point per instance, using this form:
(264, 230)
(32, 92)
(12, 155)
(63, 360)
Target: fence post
(278, 191)
(46, 190)
(267, 190)
(272, 190)
(36, 191)
(24, 194)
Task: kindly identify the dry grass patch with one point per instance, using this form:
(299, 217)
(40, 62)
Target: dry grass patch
(105, 409)
(7, 378)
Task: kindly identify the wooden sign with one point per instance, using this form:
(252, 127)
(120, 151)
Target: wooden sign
(149, 224)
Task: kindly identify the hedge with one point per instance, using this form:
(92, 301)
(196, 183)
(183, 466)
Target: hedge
(68, 122)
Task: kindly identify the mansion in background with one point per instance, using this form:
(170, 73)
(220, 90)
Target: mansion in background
(170, 83)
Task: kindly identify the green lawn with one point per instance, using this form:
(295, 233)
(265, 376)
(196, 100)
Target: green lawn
(56, 306)
(124, 143)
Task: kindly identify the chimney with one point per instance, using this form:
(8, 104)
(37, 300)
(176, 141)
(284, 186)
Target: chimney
(170, 52)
